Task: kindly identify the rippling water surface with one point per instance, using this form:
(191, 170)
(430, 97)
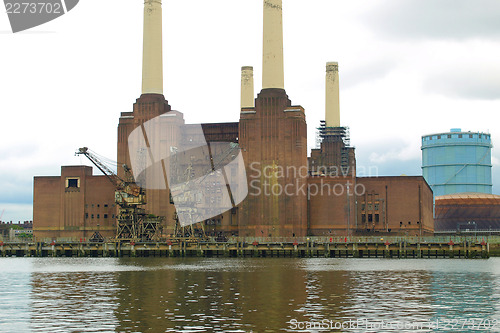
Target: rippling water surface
(248, 295)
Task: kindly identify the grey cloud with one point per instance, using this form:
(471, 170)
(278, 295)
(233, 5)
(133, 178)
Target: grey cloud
(466, 82)
(442, 19)
(366, 73)
(388, 157)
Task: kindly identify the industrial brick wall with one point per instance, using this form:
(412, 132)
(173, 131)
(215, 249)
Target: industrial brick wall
(73, 206)
(404, 205)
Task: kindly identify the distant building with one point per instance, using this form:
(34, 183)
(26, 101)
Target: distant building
(16, 231)
(456, 162)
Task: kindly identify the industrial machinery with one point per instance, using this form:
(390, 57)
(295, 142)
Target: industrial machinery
(206, 187)
(133, 224)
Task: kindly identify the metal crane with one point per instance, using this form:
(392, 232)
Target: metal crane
(133, 224)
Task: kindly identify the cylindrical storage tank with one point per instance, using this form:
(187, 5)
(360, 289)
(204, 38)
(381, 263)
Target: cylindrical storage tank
(473, 211)
(456, 162)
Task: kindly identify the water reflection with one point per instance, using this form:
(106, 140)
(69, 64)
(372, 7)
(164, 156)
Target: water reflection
(232, 295)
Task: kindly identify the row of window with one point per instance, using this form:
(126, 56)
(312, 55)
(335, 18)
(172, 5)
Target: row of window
(98, 216)
(98, 205)
(460, 136)
(370, 206)
(370, 218)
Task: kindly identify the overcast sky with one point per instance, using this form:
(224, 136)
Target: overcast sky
(407, 68)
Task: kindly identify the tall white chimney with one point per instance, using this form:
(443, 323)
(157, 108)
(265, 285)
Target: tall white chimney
(332, 105)
(152, 59)
(247, 90)
(272, 64)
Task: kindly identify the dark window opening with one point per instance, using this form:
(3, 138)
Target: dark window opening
(92, 215)
(370, 218)
(106, 205)
(86, 215)
(363, 218)
(470, 136)
(377, 218)
(105, 216)
(98, 216)
(449, 136)
(73, 182)
(460, 136)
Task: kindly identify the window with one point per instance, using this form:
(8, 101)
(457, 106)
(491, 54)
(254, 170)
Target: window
(92, 215)
(449, 136)
(98, 205)
(377, 218)
(105, 205)
(72, 182)
(86, 215)
(370, 218)
(370, 207)
(363, 218)
(113, 215)
(376, 206)
(363, 206)
(470, 136)
(460, 136)
(439, 137)
(98, 216)
(480, 136)
(105, 216)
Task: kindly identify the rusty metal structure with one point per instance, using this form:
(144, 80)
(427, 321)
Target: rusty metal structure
(133, 223)
(479, 212)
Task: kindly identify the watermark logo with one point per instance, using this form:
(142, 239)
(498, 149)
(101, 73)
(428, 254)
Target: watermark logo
(204, 179)
(26, 14)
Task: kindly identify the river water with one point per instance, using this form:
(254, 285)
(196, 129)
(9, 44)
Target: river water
(249, 295)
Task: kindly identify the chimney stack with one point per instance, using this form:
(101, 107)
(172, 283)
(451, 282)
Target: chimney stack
(272, 64)
(247, 91)
(152, 60)
(332, 105)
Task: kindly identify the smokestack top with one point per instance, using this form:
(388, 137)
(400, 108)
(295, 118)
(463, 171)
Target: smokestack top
(152, 61)
(272, 62)
(332, 106)
(247, 89)
(332, 66)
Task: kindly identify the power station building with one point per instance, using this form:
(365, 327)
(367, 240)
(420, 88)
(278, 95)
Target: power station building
(457, 162)
(289, 193)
